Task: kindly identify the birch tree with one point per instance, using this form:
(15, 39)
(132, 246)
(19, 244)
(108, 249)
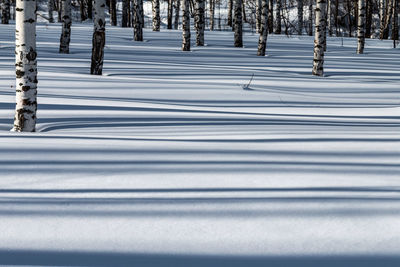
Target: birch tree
(262, 41)
(199, 21)
(185, 25)
(238, 23)
(271, 16)
(319, 41)
(25, 66)
(258, 15)
(137, 21)
(99, 37)
(212, 14)
(156, 15)
(66, 27)
(361, 27)
(395, 22)
(310, 17)
(177, 10)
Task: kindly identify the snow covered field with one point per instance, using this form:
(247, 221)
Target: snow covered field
(167, 160)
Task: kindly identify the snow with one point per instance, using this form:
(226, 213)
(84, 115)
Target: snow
(166, 160)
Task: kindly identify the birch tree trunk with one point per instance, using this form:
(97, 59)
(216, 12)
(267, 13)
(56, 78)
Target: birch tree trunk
(199, 21)
(300, 16)
(137, 22)
(271, 16)
(177, 10)
(278, 29)
(169, 16)
(99, 37)
(384, 30)
(262, 41)
(361, 27)
(50, 6)
(329, 18)
(185, 26)
(238, 23)
(156, 15)
(25, 66)
(125, 13)
(395, 22)
(258, 16)
(5, 11)
(66, 27)
(113, 12)
(212, 14)
(230, 4)
(310, 18)
(318, 66)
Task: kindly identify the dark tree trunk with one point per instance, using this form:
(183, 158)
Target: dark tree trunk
(199, 21)
(137, 21)
(368, 18)
(278, 17)
(169, 16)
(212, 13)
(262, 41)
(230, 5)
(113, 12)
(90, 9)
(177, 10)
(156, 15)
(66, 27)
(126, 7)
(238, 23)
(99, 38)
(300, 16)
(270, 16)
(310, 17)
(185, 26)
(82, 6)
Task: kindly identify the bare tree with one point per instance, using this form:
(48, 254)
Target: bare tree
(137, 21)
(361, 26)
(212, 14)
(319, 41)
(177, 9)
(5, 11)
(300, 16)
(238, 23)
(278, 17)
(25, 66)
(262, 41)
(169, 15)
(50, 7)
(271, 16)
(230, 5)
(126, 7)
(156, 15)
(185, 25)
(66, 27)
(113, 12)
(199, 21)
(99, 37)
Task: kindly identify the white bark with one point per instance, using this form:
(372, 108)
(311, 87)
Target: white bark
(137, 21)
(99, 37)
(156, 15)
(319, 41)
(66, 27)
(361, 26)
(26, 67)
(262, 41)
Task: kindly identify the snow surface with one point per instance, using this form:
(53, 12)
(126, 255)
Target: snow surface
(167, 160)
